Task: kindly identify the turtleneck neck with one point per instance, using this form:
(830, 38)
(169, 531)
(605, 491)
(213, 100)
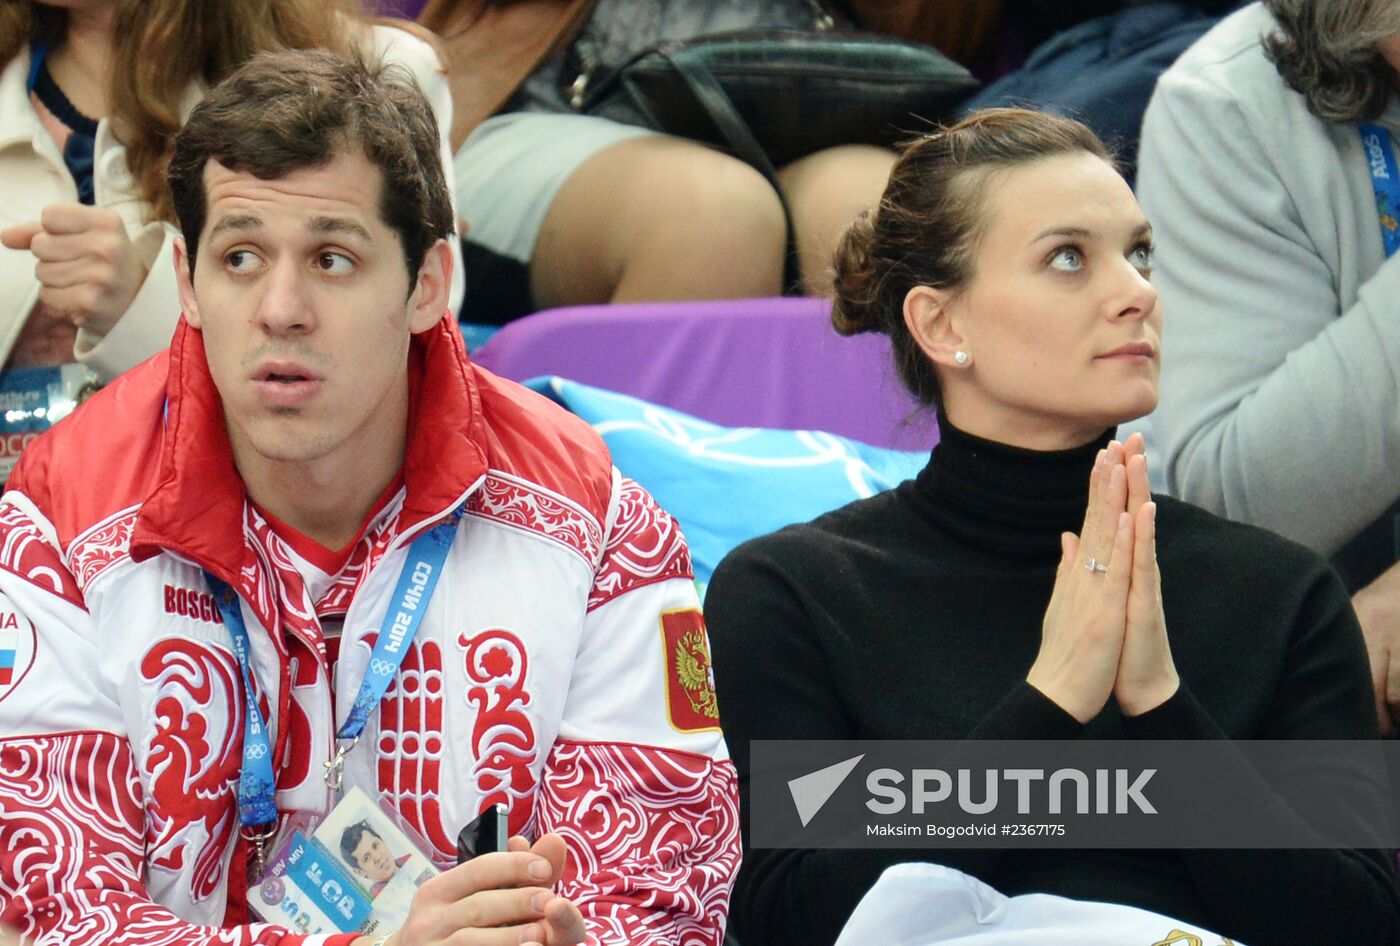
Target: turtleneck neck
(1006, 500)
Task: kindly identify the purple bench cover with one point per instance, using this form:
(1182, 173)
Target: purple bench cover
(741, 363)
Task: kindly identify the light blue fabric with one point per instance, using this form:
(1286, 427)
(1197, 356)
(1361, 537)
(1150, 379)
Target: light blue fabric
(728, 484)
(474, 334)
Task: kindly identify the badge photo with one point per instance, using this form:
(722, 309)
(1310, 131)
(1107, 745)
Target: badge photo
(356, 872)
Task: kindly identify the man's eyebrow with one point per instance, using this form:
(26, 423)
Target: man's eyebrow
(338, 225)
(243, 221)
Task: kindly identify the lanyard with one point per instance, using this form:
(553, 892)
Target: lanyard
(257, 807)
(417, 580)
(1385, 178)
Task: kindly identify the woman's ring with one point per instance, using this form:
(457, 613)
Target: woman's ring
(1094, 565)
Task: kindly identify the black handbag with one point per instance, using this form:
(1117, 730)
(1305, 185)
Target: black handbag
(794, 91)
(770, 96)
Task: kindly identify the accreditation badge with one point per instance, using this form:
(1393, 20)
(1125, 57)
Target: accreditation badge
(355, 871)
(34, 399)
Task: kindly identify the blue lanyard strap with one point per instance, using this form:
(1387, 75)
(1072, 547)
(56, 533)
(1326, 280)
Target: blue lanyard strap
(417, 580)
(1385, 178)
(257, 806)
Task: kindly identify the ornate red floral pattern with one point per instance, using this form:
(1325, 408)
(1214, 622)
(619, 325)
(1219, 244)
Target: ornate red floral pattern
(106, 544)
(277, 582)
(644, 546)
(280, 592)
(71, 850)
(72, 811)
(25, 551)
(523, 505)
(653, 839)
(368, 551)
(503, 738)
(410, 748)
(193, 758)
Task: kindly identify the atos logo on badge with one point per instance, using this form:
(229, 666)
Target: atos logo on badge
(17, 648)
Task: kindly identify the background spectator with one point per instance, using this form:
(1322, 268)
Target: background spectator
(1280, 402)
(91, 95)
(566, 209)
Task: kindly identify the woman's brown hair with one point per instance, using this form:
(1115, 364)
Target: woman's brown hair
(925, 229)
(163, 46)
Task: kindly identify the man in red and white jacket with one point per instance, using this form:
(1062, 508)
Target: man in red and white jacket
(315, 413)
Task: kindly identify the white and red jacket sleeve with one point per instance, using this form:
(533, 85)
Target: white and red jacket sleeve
(639, 781)
(73, 848)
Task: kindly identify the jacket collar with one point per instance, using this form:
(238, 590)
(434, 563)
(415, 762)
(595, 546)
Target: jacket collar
(20, 124)
(18, 121)
(196, 509)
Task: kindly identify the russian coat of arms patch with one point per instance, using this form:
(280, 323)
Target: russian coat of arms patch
(691, 704)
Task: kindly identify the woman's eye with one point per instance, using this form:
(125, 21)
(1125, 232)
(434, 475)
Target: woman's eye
(1142, 256)
(241, 261)
(334, 263)
(1067, 260)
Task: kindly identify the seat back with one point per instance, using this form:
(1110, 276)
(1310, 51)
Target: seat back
(740, 363)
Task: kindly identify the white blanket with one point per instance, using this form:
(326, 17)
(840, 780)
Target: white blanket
(925, 904)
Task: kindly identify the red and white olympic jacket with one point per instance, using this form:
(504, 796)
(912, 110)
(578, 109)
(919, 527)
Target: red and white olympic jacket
(561, 666)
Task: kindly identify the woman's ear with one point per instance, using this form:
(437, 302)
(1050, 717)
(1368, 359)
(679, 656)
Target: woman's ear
(928, 316)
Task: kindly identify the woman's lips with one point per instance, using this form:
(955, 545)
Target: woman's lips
(1134, 351)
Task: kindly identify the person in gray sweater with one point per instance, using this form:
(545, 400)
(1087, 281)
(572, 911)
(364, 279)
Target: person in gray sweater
(1280, 404)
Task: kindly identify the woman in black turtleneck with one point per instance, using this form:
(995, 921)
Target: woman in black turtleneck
(1010, 263)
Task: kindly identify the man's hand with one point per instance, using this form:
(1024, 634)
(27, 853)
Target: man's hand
(1378, 609)
(502, 899)
(563, 921)
(87, 266)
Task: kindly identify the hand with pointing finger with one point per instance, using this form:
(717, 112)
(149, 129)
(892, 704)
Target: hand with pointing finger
(86, 265)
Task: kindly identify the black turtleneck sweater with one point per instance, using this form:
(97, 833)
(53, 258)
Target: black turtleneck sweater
(916, 614)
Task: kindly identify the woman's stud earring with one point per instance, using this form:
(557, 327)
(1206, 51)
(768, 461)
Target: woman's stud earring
(962, 357)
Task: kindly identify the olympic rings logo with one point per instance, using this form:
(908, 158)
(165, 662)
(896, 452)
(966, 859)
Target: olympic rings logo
(256, 751)
(380, 667)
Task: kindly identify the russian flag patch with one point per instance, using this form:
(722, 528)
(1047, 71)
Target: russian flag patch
(9, 652)
(17, 647)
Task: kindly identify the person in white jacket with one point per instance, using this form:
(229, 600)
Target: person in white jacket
(91, 94)
(312, 549)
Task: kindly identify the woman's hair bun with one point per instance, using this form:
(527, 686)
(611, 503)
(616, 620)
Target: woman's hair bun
(856, 286)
